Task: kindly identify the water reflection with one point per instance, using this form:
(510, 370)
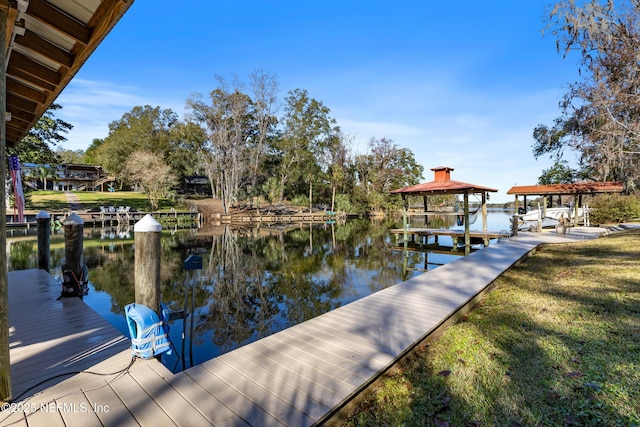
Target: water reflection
(254, 281)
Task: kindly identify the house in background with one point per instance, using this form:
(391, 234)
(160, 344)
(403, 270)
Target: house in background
(65, 177)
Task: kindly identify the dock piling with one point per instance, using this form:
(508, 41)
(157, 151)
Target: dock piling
(147, 262)
(73, 243)
(44, 232)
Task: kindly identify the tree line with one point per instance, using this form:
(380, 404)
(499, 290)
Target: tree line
(249, 152)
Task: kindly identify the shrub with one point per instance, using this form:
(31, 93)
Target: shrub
(300, 200)
(343, 204)
(610, 208)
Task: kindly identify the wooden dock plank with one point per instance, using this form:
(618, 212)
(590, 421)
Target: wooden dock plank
(109, 408)
(206, 403)
(265, 398)
(333, 354)
(346, 340)
(247, 411)
(76, 410)
(173, 403)
(13, 418)
(144, 408)
(46, 416)
(296, 397)
(297, 365)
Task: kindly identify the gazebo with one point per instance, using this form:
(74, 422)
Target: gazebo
(442, 184)
(577, 190)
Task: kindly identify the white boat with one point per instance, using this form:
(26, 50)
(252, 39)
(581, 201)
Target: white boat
(546, 222)
(555, 213)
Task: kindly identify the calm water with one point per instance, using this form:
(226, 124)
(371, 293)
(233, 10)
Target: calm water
(254, 281)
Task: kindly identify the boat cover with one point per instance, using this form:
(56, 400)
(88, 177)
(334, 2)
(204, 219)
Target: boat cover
(149, 333)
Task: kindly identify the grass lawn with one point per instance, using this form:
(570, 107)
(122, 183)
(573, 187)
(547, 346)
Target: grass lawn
(55, 201)
(555, 343)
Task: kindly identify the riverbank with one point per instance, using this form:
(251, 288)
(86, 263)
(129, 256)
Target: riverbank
(554, 343)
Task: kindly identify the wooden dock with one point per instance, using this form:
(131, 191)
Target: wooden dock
(306, 375)
(477, 237)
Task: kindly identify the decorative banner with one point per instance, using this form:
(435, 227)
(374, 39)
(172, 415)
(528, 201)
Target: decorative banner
(18, 195)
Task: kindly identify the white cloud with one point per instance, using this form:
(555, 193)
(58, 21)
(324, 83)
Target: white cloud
(91, 105)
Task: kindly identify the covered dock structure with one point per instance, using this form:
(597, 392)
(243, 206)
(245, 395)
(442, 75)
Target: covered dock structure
(45, 45)
(578, 190)
(442, 184)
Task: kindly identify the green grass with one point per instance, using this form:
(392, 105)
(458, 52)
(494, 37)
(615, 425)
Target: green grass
(555, 343)
(56, 201)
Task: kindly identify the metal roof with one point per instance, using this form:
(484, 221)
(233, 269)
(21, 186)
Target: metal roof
(442, 184)
(47, 43)
(574, 188)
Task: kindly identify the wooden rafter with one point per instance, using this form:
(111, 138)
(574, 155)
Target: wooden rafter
(53, 17)
(46, 48)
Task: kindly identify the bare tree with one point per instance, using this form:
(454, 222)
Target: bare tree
(265, 90)
(151, 172)
(227, 123)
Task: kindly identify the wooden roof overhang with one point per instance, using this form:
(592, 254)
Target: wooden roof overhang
(442, 187)
(580, 188)
(442, 184)
(47, 41)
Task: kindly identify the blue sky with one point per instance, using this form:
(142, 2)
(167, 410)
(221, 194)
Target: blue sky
(462, 84)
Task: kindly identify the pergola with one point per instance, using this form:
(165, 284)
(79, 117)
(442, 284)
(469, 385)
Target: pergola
(577, 190)
(46, 43)
(442, 184)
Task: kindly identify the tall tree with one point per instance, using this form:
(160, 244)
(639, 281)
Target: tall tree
(600, 114)
(306, 140)
(91, 153)
(229, 125)
(70, 156)
(264, 88)
(142, 129)
(559, 173)
(38, 145)
(385, 167)
(339, 163)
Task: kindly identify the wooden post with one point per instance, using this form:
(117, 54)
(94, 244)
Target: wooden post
(44, 232)
(467, 237)
(5, 364)
(484, 216)
(575, 210)
(73, 243)
(425, 202)
(147, 262)
(484, 211)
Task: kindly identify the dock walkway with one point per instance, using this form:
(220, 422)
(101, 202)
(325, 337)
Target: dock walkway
(298, 377)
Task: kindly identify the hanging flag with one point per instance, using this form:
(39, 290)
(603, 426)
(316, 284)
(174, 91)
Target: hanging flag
(18, 195)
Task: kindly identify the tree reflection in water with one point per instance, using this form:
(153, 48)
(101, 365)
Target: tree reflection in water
(254, 281)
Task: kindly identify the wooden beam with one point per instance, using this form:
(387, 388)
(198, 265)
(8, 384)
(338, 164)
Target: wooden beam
(49, 50)
(18, 116)
(18, 88)
(12, 134)
(19, 74)
(21, 103)
(41, 72)
(467, 235)
(60, 21)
